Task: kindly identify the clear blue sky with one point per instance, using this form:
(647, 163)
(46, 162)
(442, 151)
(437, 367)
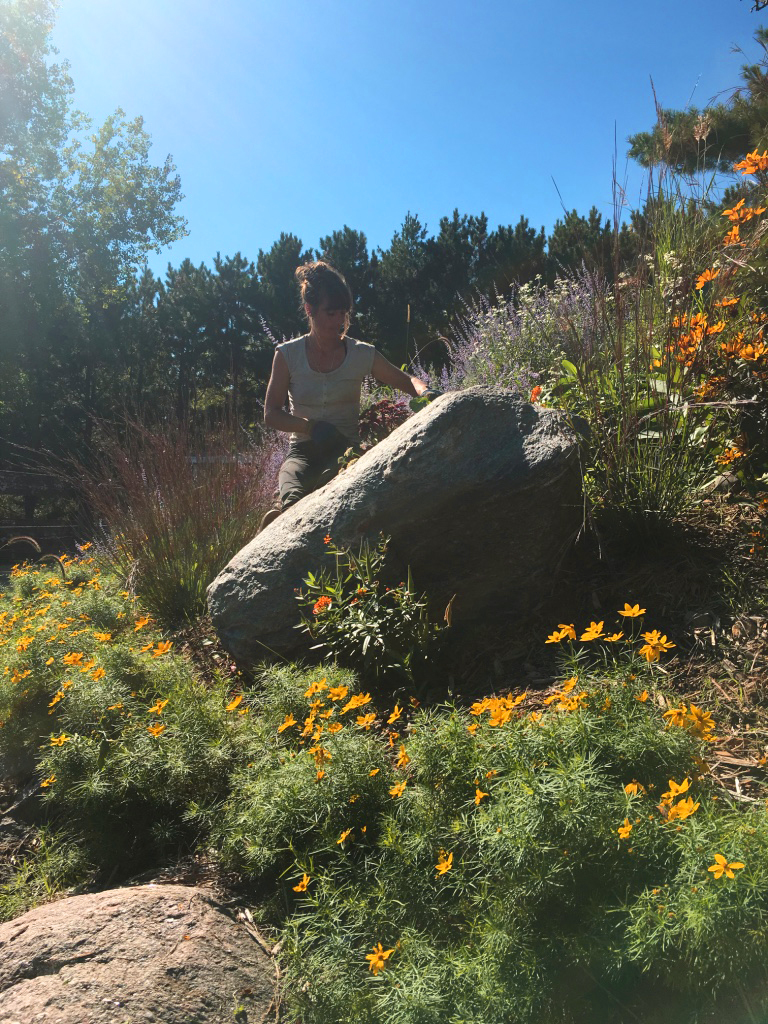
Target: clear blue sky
(309, 115)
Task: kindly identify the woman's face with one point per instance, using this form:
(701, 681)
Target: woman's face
(328, 324)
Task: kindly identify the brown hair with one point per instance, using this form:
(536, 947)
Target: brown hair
(320, 281)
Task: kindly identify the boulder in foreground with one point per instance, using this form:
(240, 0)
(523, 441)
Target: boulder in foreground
(159, 954)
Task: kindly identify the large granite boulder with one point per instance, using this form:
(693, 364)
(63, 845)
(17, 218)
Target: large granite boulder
(166, 954)
(480, 493)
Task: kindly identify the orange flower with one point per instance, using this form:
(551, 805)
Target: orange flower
(155, 729)
(366, 721)
(302, 886)
(343, 836)
(403, 758)
(708, 275)
(377, 960)
(338, 692)
(288, 721)
(624, 829)
(732, 237)
(398, 789)
(234, 703)
(395, 714)
(536, 393)
(162, 648)
(479, 795)
(141, 623)
(321, 605)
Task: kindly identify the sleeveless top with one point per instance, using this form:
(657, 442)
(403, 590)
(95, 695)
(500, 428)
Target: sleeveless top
(333, 397)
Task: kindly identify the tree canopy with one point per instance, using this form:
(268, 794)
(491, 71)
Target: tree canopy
(715, 137)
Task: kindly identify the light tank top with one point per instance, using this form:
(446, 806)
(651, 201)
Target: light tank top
(333, 397)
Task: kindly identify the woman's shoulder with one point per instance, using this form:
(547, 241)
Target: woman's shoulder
(362, 354)
(292, 350)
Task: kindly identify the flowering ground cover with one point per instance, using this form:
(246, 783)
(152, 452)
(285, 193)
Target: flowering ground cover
(531, 853)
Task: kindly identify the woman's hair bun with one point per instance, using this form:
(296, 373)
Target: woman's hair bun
(319, 281)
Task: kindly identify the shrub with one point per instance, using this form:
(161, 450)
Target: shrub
(525, 851)
(379, 630)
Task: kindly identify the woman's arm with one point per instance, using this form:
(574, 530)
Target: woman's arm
(277, 392)
(386, 373)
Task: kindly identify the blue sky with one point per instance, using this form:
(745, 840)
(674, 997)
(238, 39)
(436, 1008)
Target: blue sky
(306, 116)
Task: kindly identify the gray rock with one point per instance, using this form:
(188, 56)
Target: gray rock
(165, 954)
(480, 493)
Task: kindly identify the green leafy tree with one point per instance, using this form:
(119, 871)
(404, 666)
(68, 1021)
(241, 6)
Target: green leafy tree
(78, 215)
(717, 136)
(279, 295)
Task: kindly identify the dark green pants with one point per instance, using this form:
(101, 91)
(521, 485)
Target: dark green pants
(306, 468)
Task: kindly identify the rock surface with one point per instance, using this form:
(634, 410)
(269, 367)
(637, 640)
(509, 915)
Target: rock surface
(156, 954)
(480, 493)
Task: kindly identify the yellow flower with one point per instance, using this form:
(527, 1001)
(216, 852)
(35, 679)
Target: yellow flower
(338, 692)
(59, 695)
(722, 867)
(567, 630)
(103, 637)
(554, 638)
(701, 722)
(632, 611)
(675, 790)
(73, 658)
(141, 623)
(288, 721)
(398, 789)
(377, 960)
(624, 829)
(49, 662)
(676, 716)
(366, 721)
(395, 714)
(403, 758)
(59, 741)
(633, 788)
(479, 795)
(444, 862)
(98, 673)
(24, 643)
(473, 728)
(374, 771)
(52, 778)
(335, 727)
(155, 730)
(593, 632)
(317, 687)
(356, 702)
(162, 648)
(642, 697)
(614, 637)
(302, 886)
(157, 707)
(683, 809)
(343, 836)
(234, 703)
